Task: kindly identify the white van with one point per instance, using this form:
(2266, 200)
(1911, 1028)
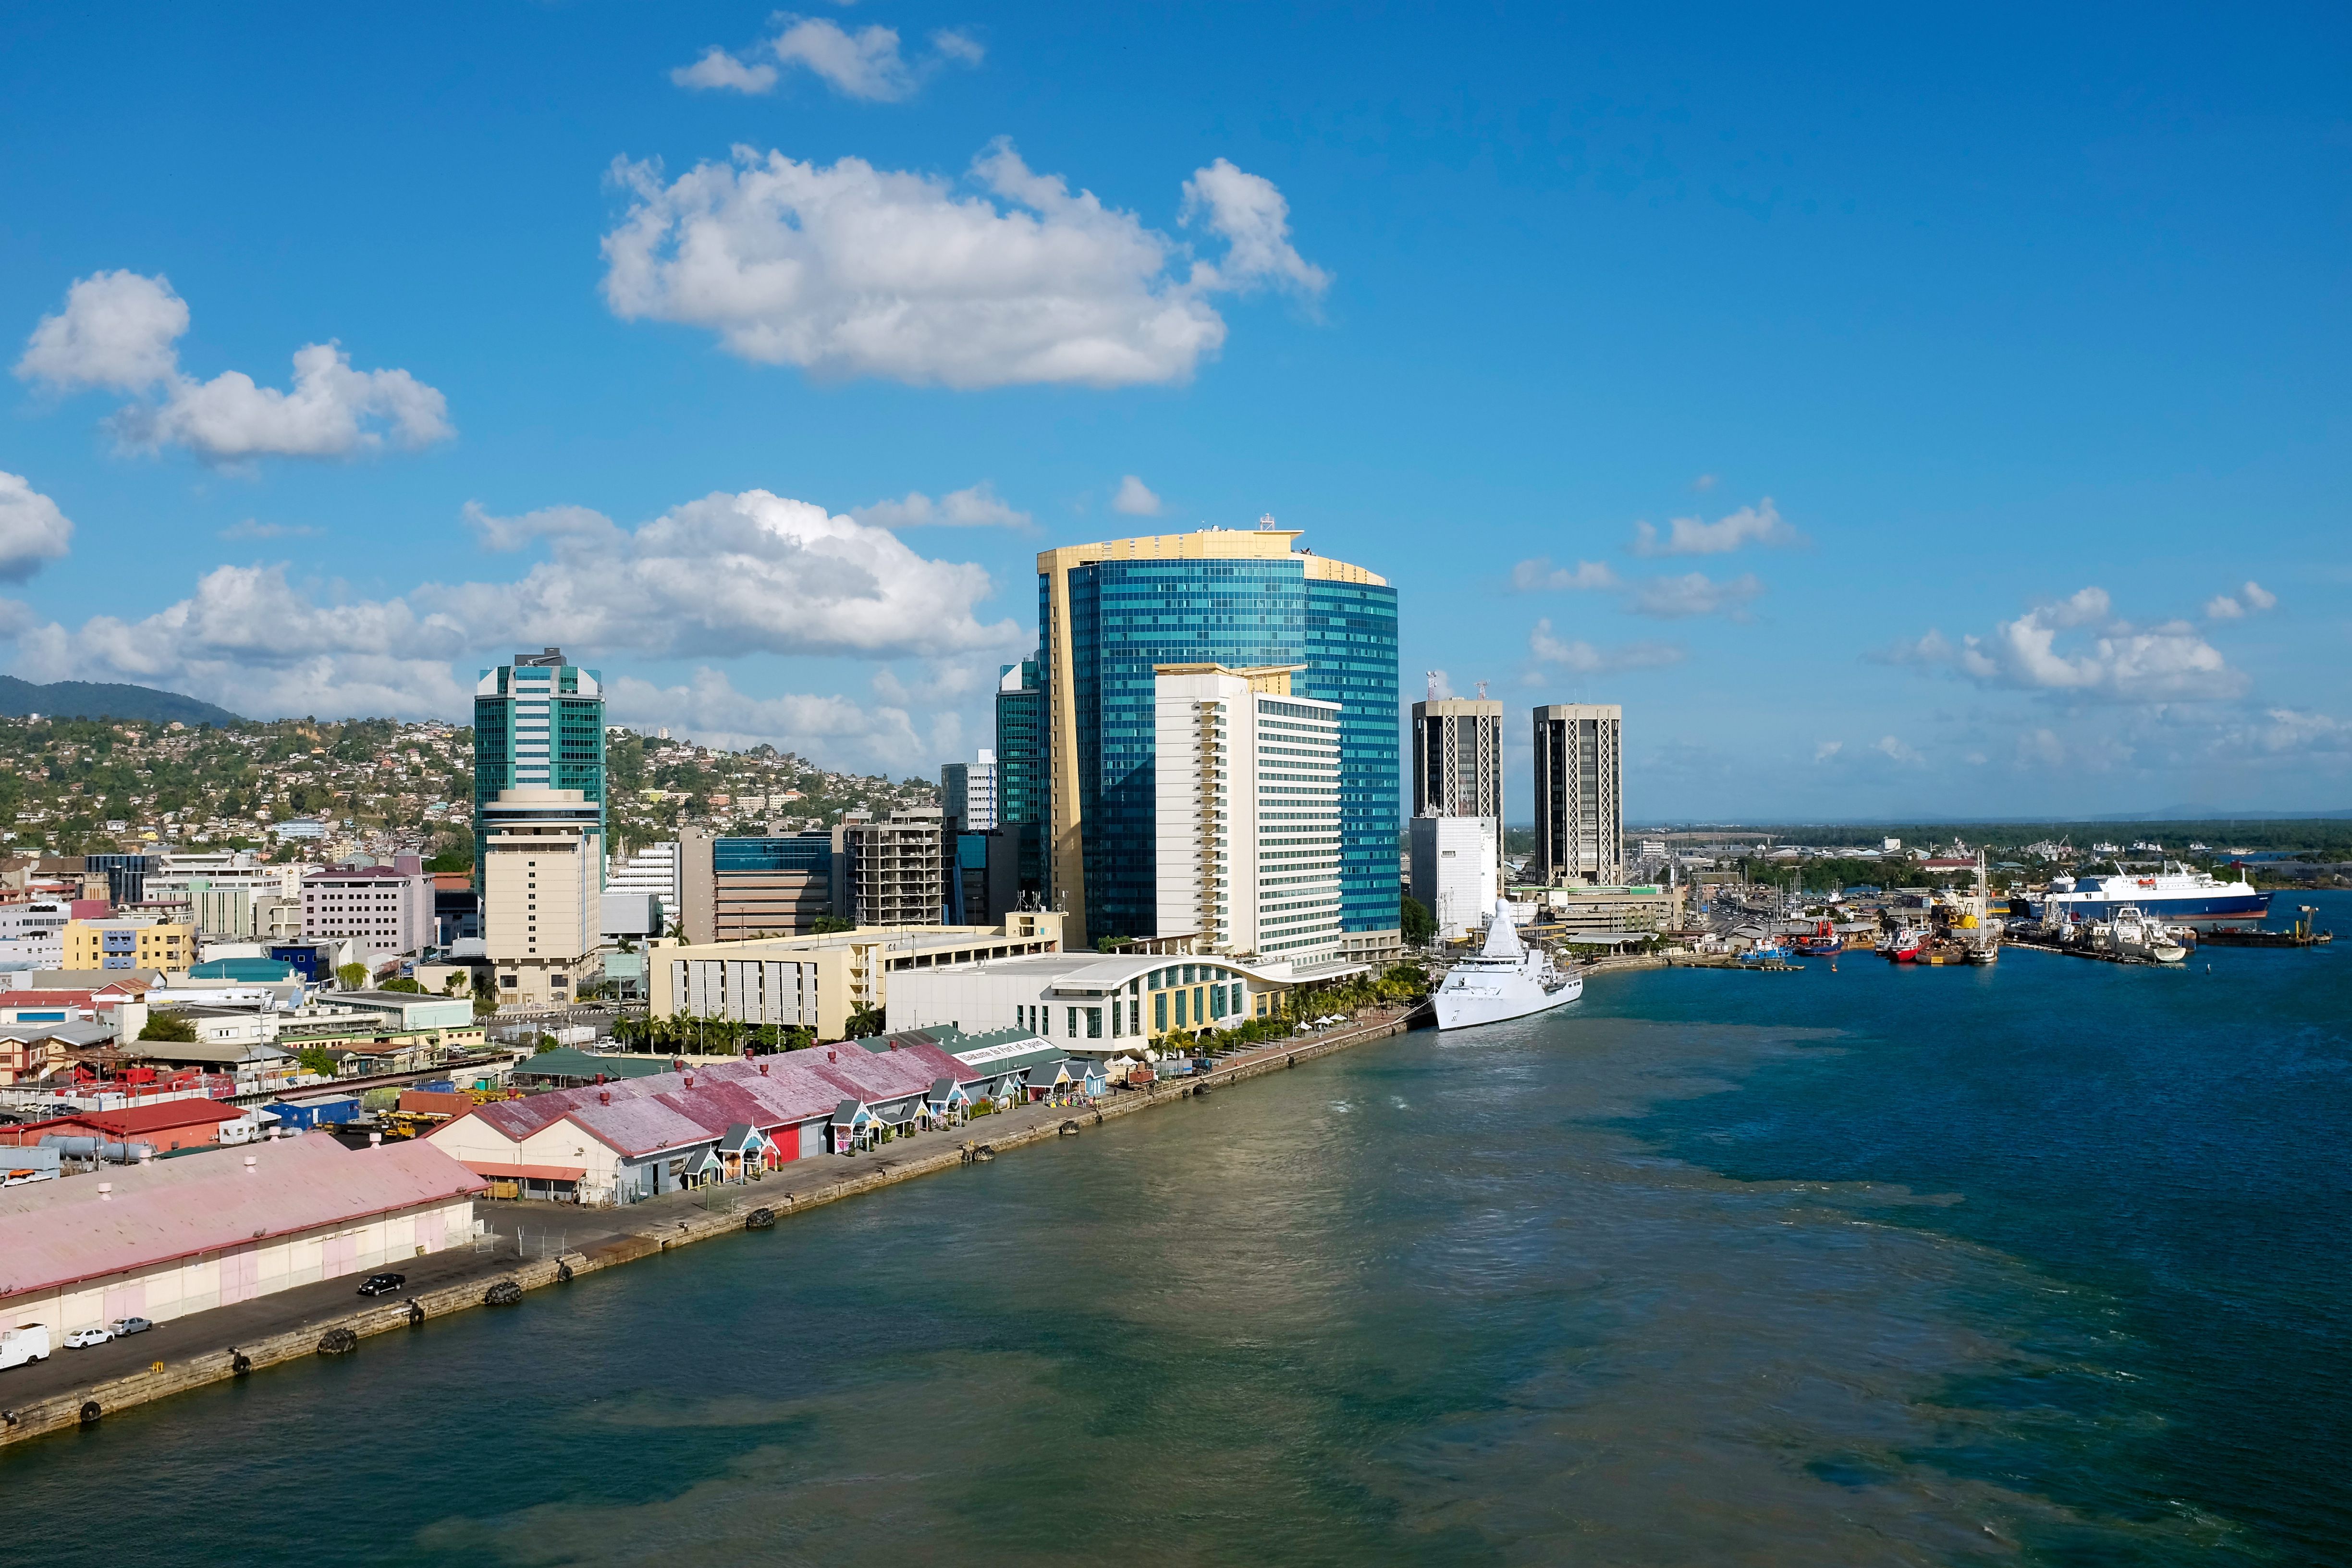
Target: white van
(28, 1342)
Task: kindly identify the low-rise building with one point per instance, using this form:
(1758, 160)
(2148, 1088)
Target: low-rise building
(629, 1139)
(1455, 876)
(1086, 1001)
(820, 983)
(134, 943)
(167, 1125)
(178, 1236)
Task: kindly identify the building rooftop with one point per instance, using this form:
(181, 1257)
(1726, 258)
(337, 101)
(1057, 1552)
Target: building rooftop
(54, 1234)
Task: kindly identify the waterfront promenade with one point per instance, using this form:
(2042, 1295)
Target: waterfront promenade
(537, 1244)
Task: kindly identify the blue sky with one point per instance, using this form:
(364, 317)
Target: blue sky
(1965, 375)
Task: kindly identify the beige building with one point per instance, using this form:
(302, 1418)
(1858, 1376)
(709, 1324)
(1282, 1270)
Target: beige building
(543, 876)
(820, 981)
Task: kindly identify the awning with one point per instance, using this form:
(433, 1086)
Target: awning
(492, 1170)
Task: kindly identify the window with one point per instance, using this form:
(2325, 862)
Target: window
(1160, 1013)
(1094, 1022)
(1180, 1009)
(1135, 1018)
(1073, 1023)
(1216, 1001)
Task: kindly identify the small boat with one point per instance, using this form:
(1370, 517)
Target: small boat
(1902, 944)
(1769, 950)
(2133, 935)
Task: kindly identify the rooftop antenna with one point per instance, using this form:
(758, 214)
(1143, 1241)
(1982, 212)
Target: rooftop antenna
(1265, 519)
(1482, 692)
(1433, 684)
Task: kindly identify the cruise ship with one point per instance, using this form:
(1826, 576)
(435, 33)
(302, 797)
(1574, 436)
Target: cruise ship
(1504, 981)
(2175, 896)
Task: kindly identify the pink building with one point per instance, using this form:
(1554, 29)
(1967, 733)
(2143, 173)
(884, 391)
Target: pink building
(389, 908)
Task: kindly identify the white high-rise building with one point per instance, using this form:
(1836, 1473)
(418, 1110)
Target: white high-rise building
(1248, 842)
(968, 793)
(652, 869)
(1455, 870)
(540, 912)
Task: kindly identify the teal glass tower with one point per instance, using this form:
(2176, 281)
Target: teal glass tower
(539, 723)
(1022, 782)
(1110, 613)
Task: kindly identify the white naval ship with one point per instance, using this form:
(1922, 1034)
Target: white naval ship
(1503, 981)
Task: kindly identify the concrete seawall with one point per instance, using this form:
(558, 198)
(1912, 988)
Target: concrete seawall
(97, 1400)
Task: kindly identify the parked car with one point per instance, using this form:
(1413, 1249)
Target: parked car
(382, 1284)
(27, 1342)
(82, 1339)
(122, 1326)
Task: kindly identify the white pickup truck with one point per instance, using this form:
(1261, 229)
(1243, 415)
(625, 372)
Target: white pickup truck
(28, 1342)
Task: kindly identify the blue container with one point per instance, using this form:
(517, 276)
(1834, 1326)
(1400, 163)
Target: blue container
(303, 1115)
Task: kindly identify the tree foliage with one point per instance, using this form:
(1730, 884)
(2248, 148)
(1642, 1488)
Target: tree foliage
(169, 1025)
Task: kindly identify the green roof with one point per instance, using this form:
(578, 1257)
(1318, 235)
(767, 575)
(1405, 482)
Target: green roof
(564, 1061)
(252, 970)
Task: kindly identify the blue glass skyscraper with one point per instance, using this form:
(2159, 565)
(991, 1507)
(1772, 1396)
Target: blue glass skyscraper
(1109, 613)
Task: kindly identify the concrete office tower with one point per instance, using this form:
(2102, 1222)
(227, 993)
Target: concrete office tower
(1457, 760)
(770, 886)
(542, 894)
(1580, 782)
(968, 794)
(1110, 613)
(390, 907)
(1021, 775)
(1248, 820)
(1456, 870)
(539, 723)
(895, 872)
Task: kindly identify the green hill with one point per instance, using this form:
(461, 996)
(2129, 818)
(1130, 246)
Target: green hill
(98, 699)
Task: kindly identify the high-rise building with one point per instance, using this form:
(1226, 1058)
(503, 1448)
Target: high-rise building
(895, 872)
(1110, 613)
(770, 886)
(539, 724)
(1457, 760)
(543, 876)
(1246, 778)
(390, 907)
(1580, 794)
(968, 794)
(1022, 778)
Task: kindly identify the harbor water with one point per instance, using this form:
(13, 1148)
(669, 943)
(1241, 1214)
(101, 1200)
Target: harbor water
(2038, 1263)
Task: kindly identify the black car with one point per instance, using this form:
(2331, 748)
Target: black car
(382, 1284)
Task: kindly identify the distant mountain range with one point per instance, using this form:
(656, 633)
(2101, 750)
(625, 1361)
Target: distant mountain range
(100, 699)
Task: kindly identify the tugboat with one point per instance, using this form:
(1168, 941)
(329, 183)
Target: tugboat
(1504, 981)
(1824, 942)
(1902, 944)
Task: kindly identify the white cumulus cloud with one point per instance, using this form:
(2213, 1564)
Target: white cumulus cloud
(1757, 524)
(710, 711)
(1896, 750)
(729, 574)
(1538, 573)
(1584, 658)
(848, 270)
(1135, 499)
(718, 70)
(864, 63)
(118, 331)
(2258, 598)
(1824, 750)
(978, 507)
(1694, 594)
(2252, 597)
(1254, 221)
(33, 530)
(2115, 662)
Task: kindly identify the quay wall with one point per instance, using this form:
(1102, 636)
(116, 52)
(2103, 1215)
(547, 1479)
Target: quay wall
(95, 1401)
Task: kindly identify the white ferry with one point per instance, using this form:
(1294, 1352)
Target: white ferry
(1504, 981)
(2176, 895)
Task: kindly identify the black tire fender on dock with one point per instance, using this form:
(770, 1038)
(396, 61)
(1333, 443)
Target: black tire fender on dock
(337, 1342)
(415, 1313)
(505, 1293)
(760, 1219)
(90, 1413)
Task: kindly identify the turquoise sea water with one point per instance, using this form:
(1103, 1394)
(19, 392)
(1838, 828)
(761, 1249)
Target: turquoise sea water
(2042, 1263)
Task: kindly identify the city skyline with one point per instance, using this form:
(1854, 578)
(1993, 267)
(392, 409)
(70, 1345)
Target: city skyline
(1942, 442)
